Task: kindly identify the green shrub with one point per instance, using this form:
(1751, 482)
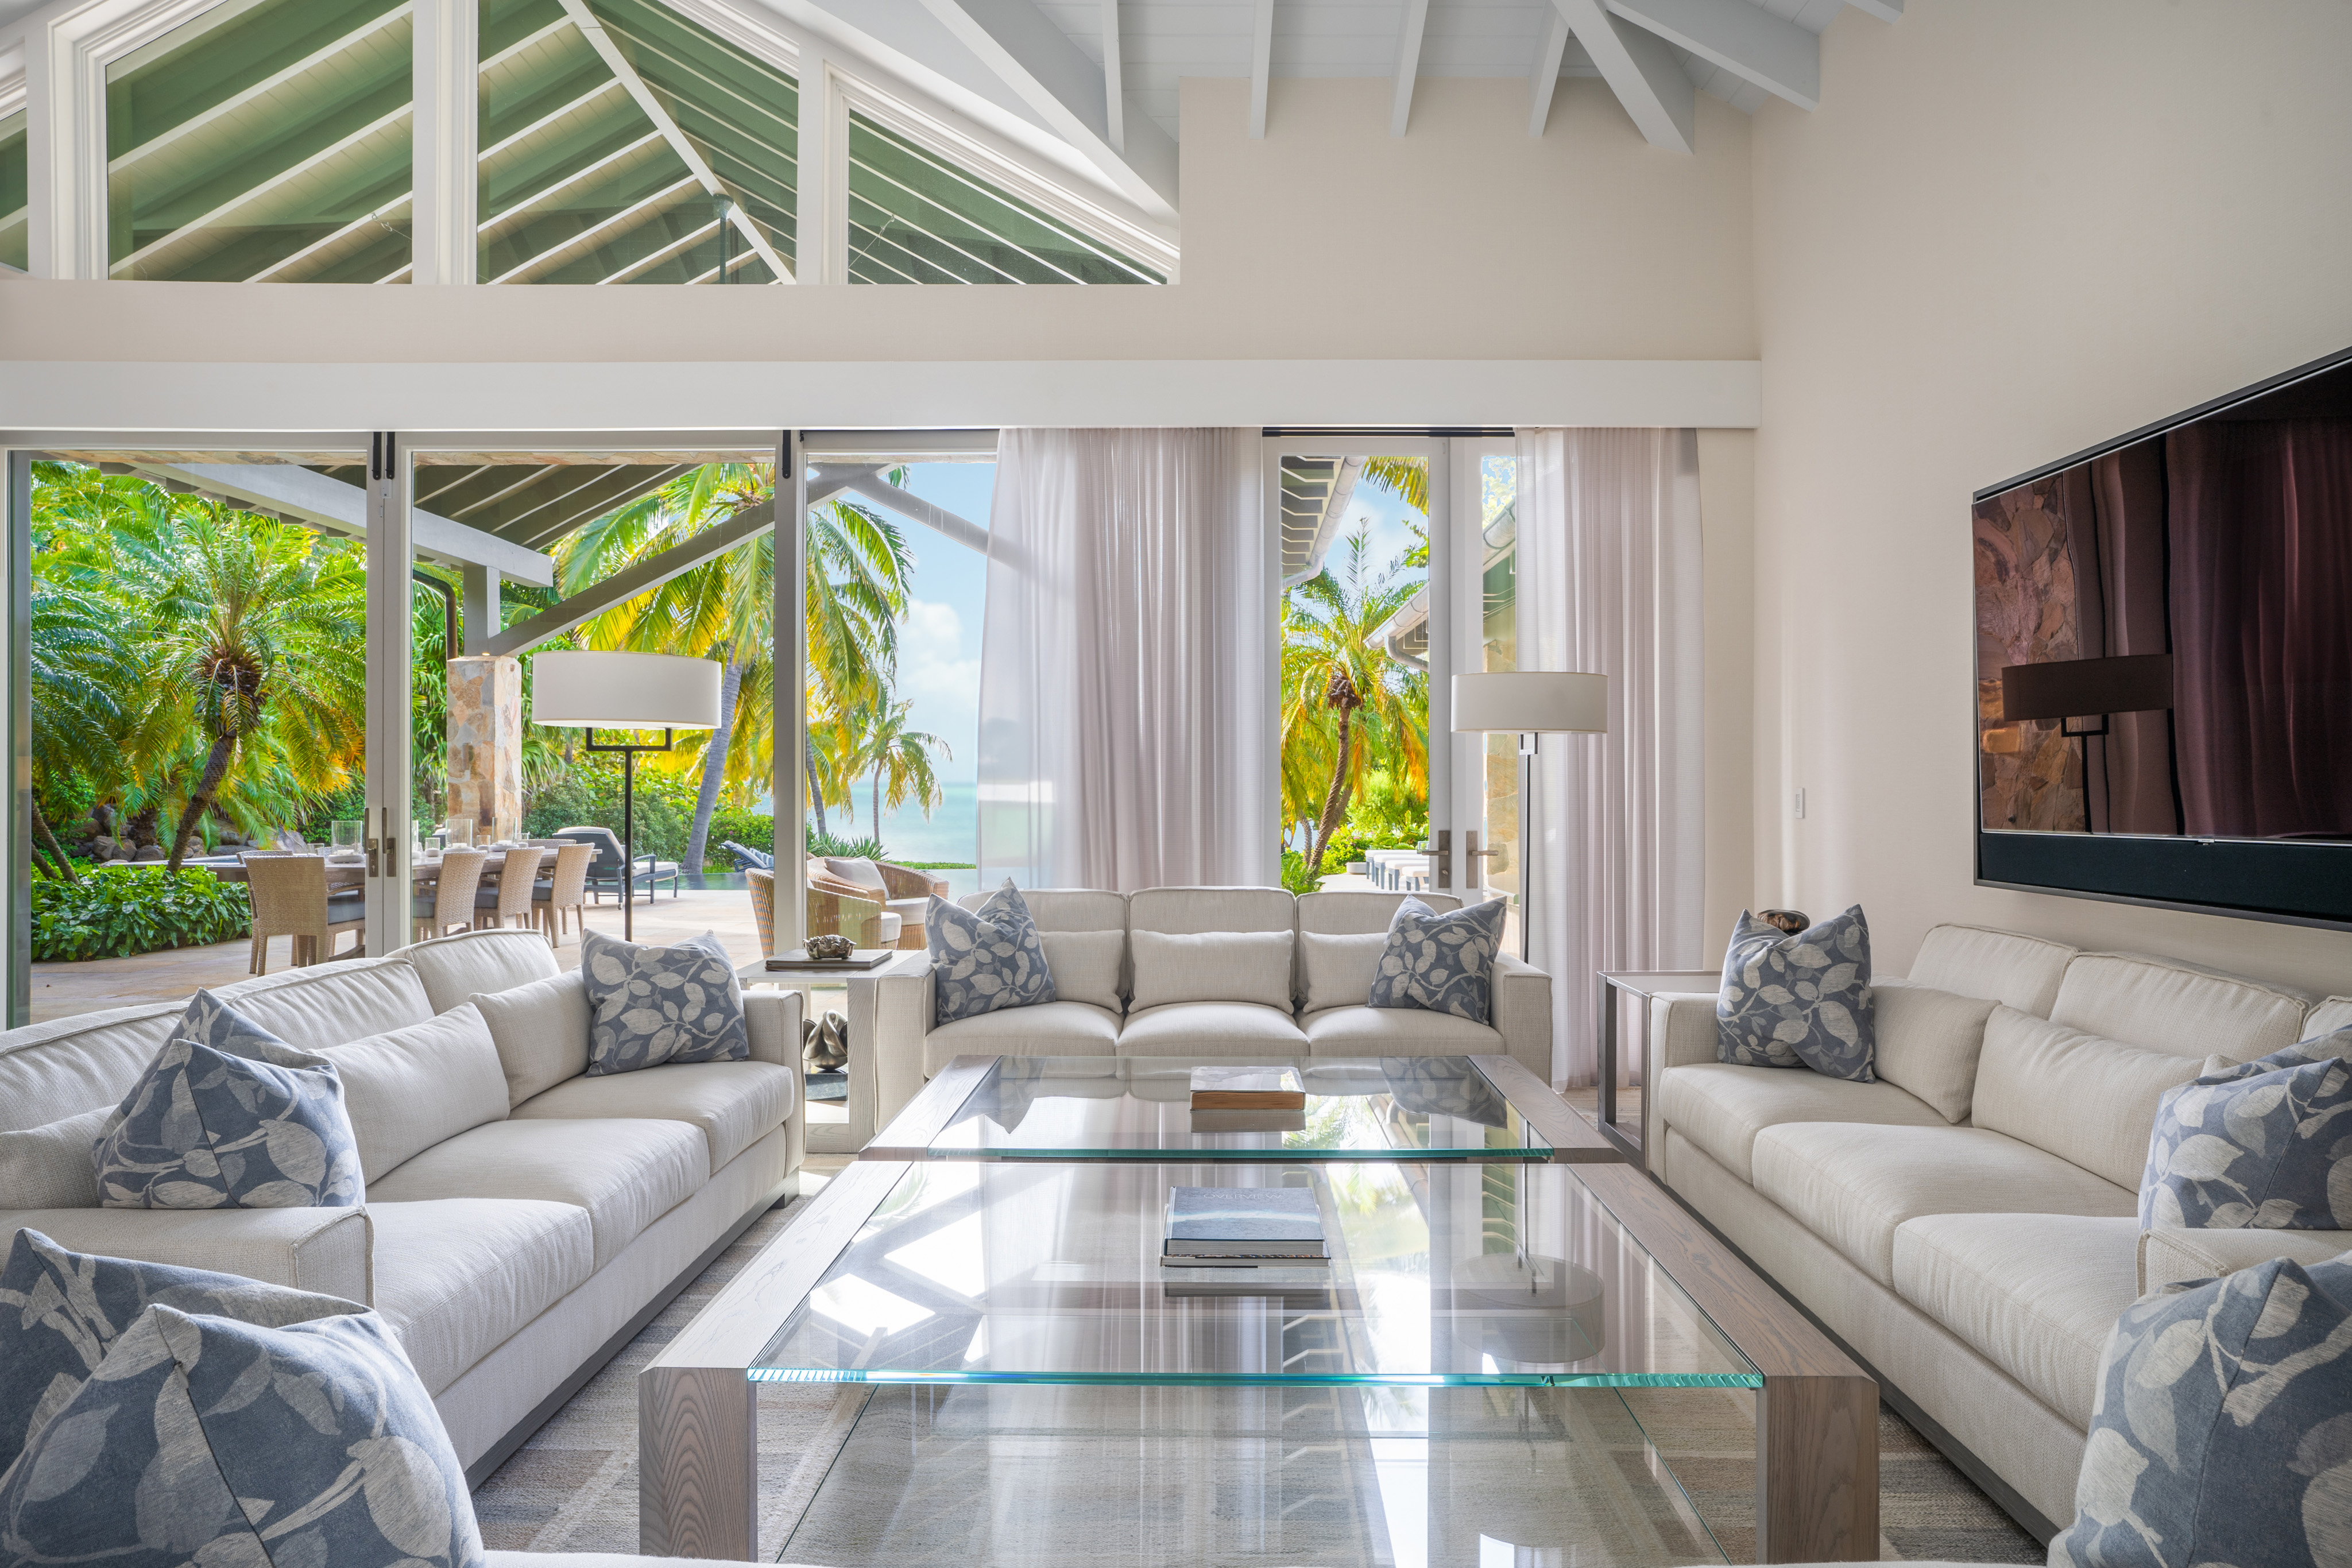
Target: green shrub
(114, 912)
(845, 849)
(1296, 876)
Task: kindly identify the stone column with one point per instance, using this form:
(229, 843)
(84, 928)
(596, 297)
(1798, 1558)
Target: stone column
(486, 743)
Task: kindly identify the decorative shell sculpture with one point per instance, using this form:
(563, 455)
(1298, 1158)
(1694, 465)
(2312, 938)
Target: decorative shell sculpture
(830, 948)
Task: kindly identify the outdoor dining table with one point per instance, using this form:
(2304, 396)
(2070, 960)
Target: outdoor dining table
(348, 871)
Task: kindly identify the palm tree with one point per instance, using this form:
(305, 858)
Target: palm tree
(900, 760)
(77, 664)
(1340, 687)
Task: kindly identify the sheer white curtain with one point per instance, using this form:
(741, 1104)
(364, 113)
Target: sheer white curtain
(1609, 582)
(1125, 668)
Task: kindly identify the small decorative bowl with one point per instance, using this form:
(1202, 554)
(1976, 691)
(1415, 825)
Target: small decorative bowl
(832, 948)
(1792, 920)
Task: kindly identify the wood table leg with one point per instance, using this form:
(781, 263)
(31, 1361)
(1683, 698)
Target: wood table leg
(697, 1464)
(1817, 1469)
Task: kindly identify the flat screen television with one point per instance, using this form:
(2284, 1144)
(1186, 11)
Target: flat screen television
(2164, 662)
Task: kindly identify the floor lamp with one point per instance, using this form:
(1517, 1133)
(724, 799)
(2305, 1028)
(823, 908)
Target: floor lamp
(1529, 704)
(626, 691)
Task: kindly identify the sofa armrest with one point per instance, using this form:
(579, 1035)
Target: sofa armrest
(329, 1251)
(1682, 1032)
(1522, 1013)
(895, 1003)
(774, 1018)
(2171, 1256)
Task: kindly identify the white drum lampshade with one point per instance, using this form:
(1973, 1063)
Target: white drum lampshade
(624, 691)
(1531, 702)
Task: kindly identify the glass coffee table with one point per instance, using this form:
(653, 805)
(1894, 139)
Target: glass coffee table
(991, 1364)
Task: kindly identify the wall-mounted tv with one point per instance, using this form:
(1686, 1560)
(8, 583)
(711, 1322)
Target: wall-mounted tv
(2164, 662)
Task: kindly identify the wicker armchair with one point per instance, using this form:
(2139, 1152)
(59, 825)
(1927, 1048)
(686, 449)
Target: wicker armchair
(904, 891)
(834, 905)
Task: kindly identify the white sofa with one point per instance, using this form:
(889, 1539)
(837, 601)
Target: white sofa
(1966, 1225)
(1129, 983)
(522, 1220)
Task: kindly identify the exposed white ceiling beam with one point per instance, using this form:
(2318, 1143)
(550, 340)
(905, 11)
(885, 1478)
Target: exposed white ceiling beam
(1885, 10)
(1052, 75)
(1638, 70)
(1114, 90)
(679, 142)
(1546, 81)
(642, 578)
(1261, 66)
(326, 503)
(1408, 65)
(1746, 40)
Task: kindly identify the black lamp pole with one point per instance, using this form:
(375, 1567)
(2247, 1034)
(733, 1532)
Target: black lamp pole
(628, 827)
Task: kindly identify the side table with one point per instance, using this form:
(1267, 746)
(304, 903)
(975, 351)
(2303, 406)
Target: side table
(852, 1128)
(1641, 984)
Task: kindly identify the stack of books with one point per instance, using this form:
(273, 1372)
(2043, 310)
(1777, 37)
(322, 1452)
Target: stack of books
(1243, 1227)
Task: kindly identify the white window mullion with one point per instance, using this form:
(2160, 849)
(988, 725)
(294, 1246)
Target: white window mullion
(822, 220)
(446, 120)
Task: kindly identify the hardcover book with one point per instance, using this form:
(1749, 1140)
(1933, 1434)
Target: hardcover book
(1247, 1088)
(1243, 1222)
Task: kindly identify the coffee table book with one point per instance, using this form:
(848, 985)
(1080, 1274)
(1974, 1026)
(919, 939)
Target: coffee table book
(796, 961)
(1247, 1088)
(1240, 1227)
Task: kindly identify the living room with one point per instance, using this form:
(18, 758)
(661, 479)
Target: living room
(1862, 278)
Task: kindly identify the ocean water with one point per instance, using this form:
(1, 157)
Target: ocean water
(952, 832)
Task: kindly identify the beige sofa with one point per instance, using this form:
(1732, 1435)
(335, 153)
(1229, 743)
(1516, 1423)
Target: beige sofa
(522, 1220)
(1966, 1225)
(1151, 974)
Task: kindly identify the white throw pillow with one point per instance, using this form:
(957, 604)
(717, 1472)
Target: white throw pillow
(1085, 965)
(2087, 1099)
(541, 1032)
(1929, 1041)
(416, 1087)
(49, 1166)
(1211, 966)
(1340, 969)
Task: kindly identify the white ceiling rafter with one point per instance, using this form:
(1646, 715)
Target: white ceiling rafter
(1114, 89)
(1411, 27)
(1746, 40)
(1546, 80)
(1261, 66)
(1647, 79)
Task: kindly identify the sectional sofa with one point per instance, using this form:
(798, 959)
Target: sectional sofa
(522, 1220)
(1204, 972)
(1967, 1224)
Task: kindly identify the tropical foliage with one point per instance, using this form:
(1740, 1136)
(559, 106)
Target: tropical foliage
(109, 912)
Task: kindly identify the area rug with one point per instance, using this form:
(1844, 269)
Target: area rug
(1097, 1477)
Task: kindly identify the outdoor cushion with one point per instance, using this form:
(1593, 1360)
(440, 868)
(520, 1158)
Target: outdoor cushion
(626, 1172)
(454, 967)
(1721, 1108)
(458, 1276)
(650, 1005)
(332, 1004)
(857, 871)
(1048, 1028)
(2265, 1144)
(2036, 1295)
(229, 1116)
(1440, 963)
(985, 958)
(736, 1103)
(205, 1440)
(2086, 1100)
(541, 1031)
(2163, 1004)
(1211, 1028)
(2220, 1431)
(408, 1090)
(1362, 1031)
(49, 1166)
(1086, 965)
(2172, 1257)
(2022, 972)
(1211, 967)
(1853, 1185)
(1798, 1000)
(1929, 1041)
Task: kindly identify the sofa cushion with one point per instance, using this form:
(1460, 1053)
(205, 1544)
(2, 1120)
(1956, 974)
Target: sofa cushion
(986, 958)
(1049, 1029)
(1362, 1031)
(2171, 1257)
(2329, 1016)
(2089, 1101)
(454, 967)
(1086, 966)
(1338, 971)
(1188, 911)
(2021, 972)
(49, 1166)
(333, 1004)
(2166, 1005)
(736, 1103)
(1853, 1186)
(1211, 1028)
(1799, 998)
(650, 1004)
(1441, 963)
(2035, 1294)
(49, 1071)
(322, 1250)
(1211, 967)
(1361, 914)
(1721, 1106)
(408, 1090)
(540, 1030)
(626, 1172)
(458, 1276)
(1929, 1041)
(2260, 1144)
(1065, 908)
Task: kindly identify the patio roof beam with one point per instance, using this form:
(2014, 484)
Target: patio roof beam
(869, 483)
(643, 578)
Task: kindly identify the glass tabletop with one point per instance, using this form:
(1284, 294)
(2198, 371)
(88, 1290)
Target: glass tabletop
(1439, 1275)
(1140, 1108)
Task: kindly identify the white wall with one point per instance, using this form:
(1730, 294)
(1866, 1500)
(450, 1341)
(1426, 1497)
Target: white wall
(2014, 228)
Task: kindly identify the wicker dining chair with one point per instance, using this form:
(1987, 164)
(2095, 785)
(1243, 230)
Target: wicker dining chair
(289, 898)
(512, 899)
(451, 902)
(563, 890)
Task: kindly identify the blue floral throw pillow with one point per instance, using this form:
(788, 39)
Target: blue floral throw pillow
(60, 1310)
(206, 1440)
(1440, 963)
(2263, 1145)
(1799, 1001)
(648, 1006)
(986, 958)
(2222, 1432)
(229, 1116)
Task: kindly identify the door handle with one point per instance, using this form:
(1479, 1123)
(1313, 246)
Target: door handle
(1443, 855)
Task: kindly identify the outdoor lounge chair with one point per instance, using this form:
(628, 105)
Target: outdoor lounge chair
(748, 858)
(605, 876)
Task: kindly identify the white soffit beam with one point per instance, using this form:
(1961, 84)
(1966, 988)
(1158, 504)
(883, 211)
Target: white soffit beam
(1885, 10)
(1114, 72)
(1639, 70)
(1053, 76)
(1546, 80)
(1746, 40)
(1410, 28)
(1261, 66)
